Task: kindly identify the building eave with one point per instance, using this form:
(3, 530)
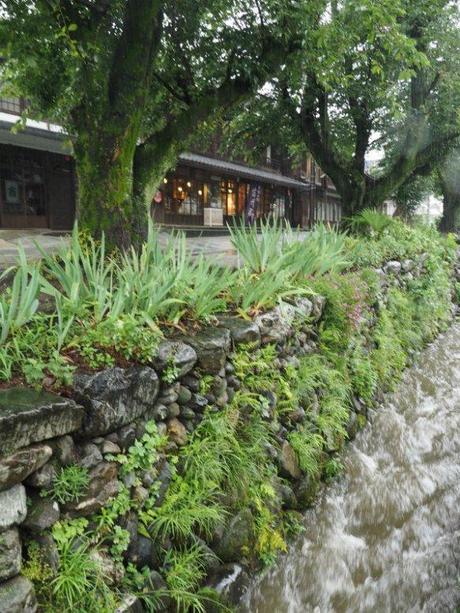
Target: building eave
(262, 175)
(35, 138)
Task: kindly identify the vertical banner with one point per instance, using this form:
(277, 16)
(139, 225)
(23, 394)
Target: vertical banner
(253, 199)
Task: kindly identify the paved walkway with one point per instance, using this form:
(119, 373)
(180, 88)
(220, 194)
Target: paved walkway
(218, 248)
(11, 239)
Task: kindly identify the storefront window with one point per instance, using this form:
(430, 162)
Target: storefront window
(214, 196)
(243, 189)
(229, 197)
(278, 204)
(184, 196)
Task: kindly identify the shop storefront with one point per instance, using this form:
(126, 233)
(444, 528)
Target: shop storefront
(211, 192)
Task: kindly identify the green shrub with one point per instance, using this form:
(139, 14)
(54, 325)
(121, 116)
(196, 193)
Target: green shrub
(109, 310)
(258, 246)
(80, 584)
(371, 221)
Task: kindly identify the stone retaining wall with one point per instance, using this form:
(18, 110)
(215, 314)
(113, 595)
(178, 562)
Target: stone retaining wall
(41, 432)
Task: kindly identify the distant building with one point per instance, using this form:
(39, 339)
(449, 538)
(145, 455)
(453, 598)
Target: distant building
(430, 209)
(209, 190)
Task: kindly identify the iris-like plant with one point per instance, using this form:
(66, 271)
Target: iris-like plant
(81, 277)
(322, 251)
(20, 303)
(258, 246)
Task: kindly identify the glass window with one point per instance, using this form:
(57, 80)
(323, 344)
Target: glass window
(278, 204)
(184, 196)
(11, 105)
(229, 196)
(242, 195)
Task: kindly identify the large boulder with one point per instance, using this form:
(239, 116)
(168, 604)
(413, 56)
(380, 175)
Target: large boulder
(306, 491)
(230, 581)
(31, 416)
(276, 325)
(115, 397)
(10, 554)
(407, 265)
(17, 596)
(212, 346)
(242, 331)
(43, 477)
(103, 485)
(318, 302)
(288, 461)
(19, 465)
(177, 355)
(177, 432)
(392, 268)
(304, 307)
(64, 450)
(42, 514)
(13, 508)
(130, 604)
(237, 537)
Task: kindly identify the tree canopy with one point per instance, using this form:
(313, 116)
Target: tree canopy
(369, 75)
(131, 80)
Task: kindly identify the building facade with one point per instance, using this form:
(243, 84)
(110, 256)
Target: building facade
(211, 191)
(38, 185)
(37, 178)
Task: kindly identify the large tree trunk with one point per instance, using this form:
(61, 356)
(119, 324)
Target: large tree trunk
(108, 126)
(105, 199)
(450, 220)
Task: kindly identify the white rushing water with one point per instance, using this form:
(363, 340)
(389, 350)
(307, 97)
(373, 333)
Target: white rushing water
(386, 536)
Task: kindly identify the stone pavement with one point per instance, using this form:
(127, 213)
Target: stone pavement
(11, 239)
(218, 248)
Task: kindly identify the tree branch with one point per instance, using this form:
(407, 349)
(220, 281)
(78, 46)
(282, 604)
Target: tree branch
(181, 97)
(421, 162)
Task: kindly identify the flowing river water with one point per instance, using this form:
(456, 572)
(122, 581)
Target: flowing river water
(386, 536)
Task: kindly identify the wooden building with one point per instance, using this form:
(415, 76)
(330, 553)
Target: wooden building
(37, 179)
(211, 191)
(38, 186)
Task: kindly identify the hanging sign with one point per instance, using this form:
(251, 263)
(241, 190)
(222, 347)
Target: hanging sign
(12, 192)
(255, 191)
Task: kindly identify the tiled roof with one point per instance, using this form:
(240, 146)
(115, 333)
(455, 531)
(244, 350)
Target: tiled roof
(34, 138)
(241, 170)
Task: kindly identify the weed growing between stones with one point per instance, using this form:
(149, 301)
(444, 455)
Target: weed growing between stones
(69, 484)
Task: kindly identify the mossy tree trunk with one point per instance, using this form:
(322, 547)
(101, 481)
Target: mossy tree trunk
(105, 178)
(108, 124)
(131, 81)
(450, 220)
(120, 161)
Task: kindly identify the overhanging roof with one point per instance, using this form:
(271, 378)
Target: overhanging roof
(35, 138)
(240, 170)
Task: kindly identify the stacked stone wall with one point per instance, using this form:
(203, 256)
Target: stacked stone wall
(108, 410)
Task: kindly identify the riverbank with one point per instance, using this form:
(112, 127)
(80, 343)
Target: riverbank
(384, 537)
(163, 473)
